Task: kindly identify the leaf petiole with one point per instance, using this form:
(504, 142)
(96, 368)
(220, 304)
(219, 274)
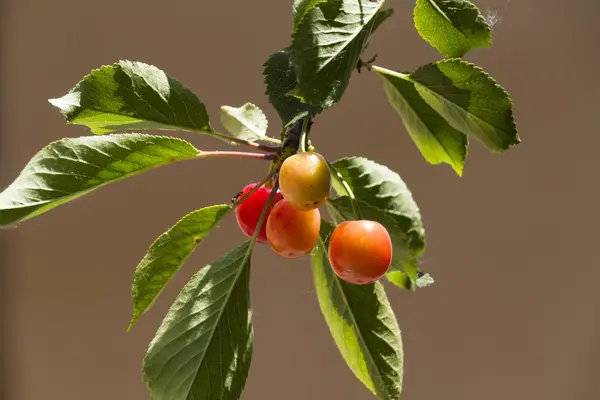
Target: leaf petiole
(237, 154)
(304, 135)
(239, 200)
(339, 179)
(267, 147)
(386, 71)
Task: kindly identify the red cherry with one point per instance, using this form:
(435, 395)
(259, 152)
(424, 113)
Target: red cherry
(247, 213)
(292, 233)
(360, 252)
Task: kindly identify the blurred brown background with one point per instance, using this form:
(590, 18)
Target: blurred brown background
(512, 244)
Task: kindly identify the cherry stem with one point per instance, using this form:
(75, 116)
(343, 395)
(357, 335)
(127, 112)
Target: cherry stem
(339, 178)
(269, 148)
(239, 200)
(263, 214)
(237, 154)
(304, 135)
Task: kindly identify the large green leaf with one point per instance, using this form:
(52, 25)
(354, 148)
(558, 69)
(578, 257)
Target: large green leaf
(470, 100)
(168, 253)
(280, 79)
(133, 96)
(203, 348)
(382, 196)
(453, 27)
(436, 139)
(362, 323)
(69, 168)
(327, 45)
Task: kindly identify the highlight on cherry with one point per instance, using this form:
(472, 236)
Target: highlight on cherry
(354, 219)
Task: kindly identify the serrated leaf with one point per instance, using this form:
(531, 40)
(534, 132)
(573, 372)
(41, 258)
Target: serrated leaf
(280, 79)
(301, 7)
(246, 122)
(383, 189)
(203, 347)
(453, 27)
(326, 48)
(168, 253)
(362, 323)
(470, 101)
(133, 96)
(437, 141)
(382, 196)
(69, 168)
(425, 280)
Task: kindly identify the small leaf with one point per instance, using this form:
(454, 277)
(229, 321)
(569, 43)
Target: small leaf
(362, 323)
(69, 168)
(469, 100)
(246, 122)
(412, 280)
(280, 79)
(203, 347)
(326, 48)
(133, 96)
(425, 281)
(436, 139)
(453, 27)
(168, 253)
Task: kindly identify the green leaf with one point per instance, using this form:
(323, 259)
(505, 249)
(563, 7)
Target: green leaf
(301, 7)
(453, 27)
(437, 141)
(133, 96)
(412, 282)
(382, 196)
(69, 168)
(246, 122)
(168, 253)
(362, 323)
(326, 48)
(203, 348)
(280, 79)
(425, 280)
(469, 100)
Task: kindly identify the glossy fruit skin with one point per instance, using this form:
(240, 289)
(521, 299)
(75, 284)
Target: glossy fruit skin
(360, 252)
(248, 212)
(292, 233)
(305, 180)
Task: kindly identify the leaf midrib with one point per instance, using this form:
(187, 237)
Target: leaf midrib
(175, 127)
(220, 313)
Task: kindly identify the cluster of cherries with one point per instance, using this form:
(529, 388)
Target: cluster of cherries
(360, 251)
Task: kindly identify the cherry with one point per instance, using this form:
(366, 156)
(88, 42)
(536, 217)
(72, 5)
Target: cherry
(305, 180)
(247, 213)
(292, 233)
(360, 252)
